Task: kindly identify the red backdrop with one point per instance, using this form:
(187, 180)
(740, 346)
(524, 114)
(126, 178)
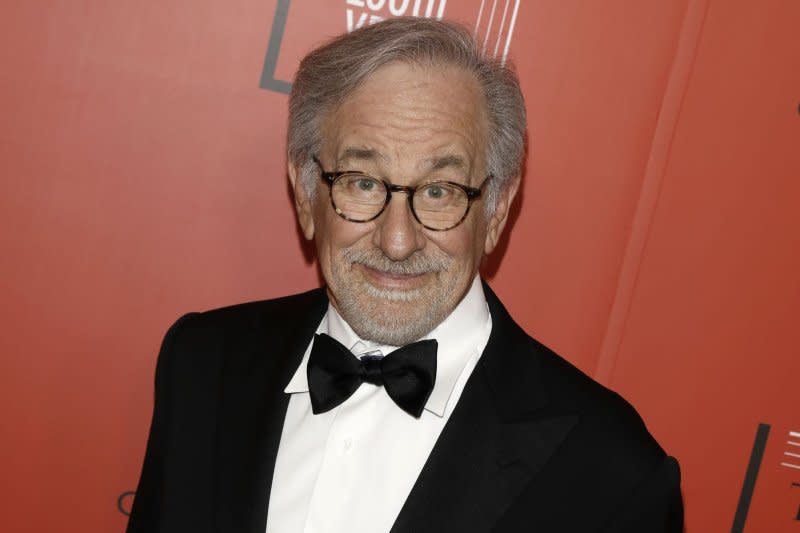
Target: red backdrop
(656, 244)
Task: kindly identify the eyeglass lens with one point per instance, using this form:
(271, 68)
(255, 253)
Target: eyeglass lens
(437, 205)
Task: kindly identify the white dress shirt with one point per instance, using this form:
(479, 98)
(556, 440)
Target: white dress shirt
(351, 469)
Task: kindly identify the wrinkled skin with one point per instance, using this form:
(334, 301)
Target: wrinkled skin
(391, 279)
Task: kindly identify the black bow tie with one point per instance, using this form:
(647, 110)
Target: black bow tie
(407, 374)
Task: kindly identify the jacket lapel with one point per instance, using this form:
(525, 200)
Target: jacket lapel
(253, 406)
(499, 436)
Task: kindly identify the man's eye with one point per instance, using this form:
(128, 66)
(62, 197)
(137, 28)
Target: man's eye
(365, 185)
(435, 192)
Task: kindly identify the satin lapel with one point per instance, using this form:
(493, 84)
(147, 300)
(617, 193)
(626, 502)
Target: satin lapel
(252, 410)
(499, 436)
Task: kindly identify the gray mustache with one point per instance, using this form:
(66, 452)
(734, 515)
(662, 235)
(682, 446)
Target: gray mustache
(413, 265)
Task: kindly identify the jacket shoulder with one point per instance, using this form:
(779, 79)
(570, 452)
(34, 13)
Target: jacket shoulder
(240, 330)
(286, 309)
(554, 386)
(609, 424)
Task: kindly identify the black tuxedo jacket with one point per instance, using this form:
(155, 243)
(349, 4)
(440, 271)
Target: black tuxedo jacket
(532, 445)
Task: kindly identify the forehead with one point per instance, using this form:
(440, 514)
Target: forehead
(407, 114)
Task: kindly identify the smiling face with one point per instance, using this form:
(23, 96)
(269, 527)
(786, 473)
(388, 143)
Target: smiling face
(391, 279)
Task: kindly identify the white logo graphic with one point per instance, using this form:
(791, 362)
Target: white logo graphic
(494, 23)
(794, 445)
(360, 12)
(503, 32)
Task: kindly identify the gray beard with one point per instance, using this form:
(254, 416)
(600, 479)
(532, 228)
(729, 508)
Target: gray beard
(382, 315)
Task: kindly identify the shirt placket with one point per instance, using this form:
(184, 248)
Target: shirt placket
(335, 496)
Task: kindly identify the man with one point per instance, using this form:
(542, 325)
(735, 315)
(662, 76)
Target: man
(402, 397)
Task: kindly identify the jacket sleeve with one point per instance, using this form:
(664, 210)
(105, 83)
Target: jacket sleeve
(145, 514)
(656, 506)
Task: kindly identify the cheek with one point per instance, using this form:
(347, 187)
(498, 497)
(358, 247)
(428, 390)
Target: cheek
(464, 244)
(334, 233)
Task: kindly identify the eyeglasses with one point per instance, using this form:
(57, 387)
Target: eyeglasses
(436, 205)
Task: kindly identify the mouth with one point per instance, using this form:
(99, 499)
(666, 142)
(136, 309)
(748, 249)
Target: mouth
(393, 280)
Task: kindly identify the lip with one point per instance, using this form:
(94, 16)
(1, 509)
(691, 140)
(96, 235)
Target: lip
(390, 280)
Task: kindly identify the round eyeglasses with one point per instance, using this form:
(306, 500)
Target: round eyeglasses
(436, 205)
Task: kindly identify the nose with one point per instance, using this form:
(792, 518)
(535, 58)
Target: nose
(398, 234)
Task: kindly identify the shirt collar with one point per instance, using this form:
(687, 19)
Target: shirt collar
(461, 336)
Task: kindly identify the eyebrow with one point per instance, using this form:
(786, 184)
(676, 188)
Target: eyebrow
(352, 153)
(438, 163)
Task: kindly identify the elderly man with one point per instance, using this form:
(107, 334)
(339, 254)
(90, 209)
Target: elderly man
(402, 397)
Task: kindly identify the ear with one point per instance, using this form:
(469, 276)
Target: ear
(498, 220)
(302, 202)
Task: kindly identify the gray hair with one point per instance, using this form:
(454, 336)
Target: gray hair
(330, 73)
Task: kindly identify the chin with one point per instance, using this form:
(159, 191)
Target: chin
(389, 316)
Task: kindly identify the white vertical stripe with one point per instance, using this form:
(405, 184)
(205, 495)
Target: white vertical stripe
(480, 15)
(511, 29)
(440, 14)
(500, 31)
(791, 465)
(489, 26)
(790, 443)
(794, 434)
(790, 454)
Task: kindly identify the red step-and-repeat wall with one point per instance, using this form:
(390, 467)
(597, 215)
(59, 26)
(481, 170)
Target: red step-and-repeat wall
(656, 244)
